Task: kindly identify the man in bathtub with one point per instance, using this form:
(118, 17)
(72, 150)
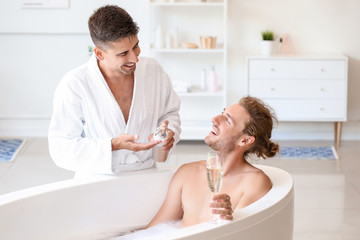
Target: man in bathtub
(242, 129)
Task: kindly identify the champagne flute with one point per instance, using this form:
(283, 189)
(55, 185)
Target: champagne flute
(214, 173)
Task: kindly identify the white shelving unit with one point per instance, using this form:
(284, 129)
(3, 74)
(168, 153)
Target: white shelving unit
(190, 20)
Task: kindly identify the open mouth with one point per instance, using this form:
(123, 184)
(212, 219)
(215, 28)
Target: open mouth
(129, 65)
(214, 131)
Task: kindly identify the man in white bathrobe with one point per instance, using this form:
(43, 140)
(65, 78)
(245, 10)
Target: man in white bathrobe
(105, 111)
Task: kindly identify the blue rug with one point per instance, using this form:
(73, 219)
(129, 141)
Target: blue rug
(324, 152)
(9, 148)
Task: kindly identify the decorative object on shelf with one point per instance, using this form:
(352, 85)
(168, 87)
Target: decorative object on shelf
(208, 42)
(285, 45)
(172, 39)
(190, 45)
(267, 44)
(212, 80)
(180, 86)
(159, 40)
(203, 79)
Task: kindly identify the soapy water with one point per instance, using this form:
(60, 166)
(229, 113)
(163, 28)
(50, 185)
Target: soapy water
(159, 231)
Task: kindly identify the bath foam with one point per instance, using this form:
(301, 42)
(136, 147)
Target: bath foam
(165, 231)
(159, 231)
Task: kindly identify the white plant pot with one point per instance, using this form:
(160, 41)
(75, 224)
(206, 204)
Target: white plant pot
(267, 47)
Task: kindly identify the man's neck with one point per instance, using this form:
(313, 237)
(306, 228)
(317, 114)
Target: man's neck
(233, 162)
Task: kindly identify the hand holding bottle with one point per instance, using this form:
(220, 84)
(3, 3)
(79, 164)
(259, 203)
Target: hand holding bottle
(164, 134)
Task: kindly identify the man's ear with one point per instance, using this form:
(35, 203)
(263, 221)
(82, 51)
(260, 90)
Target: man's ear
(99, 53)
(246, 140)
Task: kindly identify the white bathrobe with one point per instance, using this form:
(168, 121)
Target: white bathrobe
(86, 117)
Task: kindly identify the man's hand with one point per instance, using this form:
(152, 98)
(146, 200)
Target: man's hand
(168, 142)
(222, 206)
(127, 141)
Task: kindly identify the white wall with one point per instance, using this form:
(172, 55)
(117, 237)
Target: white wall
(38, 46)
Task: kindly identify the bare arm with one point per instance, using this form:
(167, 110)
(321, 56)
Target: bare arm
(171, 209)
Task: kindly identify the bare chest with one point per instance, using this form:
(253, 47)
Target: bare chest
(197, 196)
(123, 94)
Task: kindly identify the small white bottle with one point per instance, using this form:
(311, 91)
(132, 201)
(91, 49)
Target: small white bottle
(168, 41)
(158, 154)
(203, 79)
(175, 38)
(159, 40)
(212, 80)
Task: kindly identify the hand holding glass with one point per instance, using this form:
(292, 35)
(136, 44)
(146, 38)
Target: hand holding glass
(214, 172)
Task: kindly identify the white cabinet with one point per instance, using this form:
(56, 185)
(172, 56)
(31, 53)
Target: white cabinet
(181, 22)
(302, 88)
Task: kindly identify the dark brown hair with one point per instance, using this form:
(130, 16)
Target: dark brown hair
(110, 23)
(260, 125)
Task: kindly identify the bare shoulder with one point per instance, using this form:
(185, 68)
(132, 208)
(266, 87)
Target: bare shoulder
(254, 185)
(189, 169)
(257, 181)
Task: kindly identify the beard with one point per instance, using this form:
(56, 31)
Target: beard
(223, 145)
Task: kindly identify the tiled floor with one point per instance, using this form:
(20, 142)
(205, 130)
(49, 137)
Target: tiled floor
(327, 192)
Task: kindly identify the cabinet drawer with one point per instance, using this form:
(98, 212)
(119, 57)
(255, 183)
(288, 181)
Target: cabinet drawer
(308, 110)
(296, 69)
(327, 89)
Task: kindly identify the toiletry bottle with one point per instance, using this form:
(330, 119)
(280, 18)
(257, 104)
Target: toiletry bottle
(203, 79)
(159, 41)
(158, 154)
(212, 80)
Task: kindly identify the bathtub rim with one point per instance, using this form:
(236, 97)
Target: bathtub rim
(74, 182)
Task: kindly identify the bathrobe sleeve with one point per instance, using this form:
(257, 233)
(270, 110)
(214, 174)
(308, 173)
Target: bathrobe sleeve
(171, 108)
(67, 145)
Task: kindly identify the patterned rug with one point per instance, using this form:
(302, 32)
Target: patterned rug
(322, 153)
(9, 148)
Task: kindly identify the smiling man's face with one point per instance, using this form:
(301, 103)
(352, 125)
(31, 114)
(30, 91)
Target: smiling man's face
(227, 128)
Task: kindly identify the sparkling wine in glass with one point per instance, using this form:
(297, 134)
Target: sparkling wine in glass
(214, 173)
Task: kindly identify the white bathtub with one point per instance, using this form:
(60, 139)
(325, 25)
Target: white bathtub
(88, 209)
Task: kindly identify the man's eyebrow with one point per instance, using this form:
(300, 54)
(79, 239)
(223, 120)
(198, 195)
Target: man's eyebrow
(228, 115)
(136, 43)
(121, 53)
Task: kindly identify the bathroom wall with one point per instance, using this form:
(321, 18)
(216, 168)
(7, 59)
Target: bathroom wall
(39, 45)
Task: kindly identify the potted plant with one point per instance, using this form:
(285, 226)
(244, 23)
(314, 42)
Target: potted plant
(267, 42)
